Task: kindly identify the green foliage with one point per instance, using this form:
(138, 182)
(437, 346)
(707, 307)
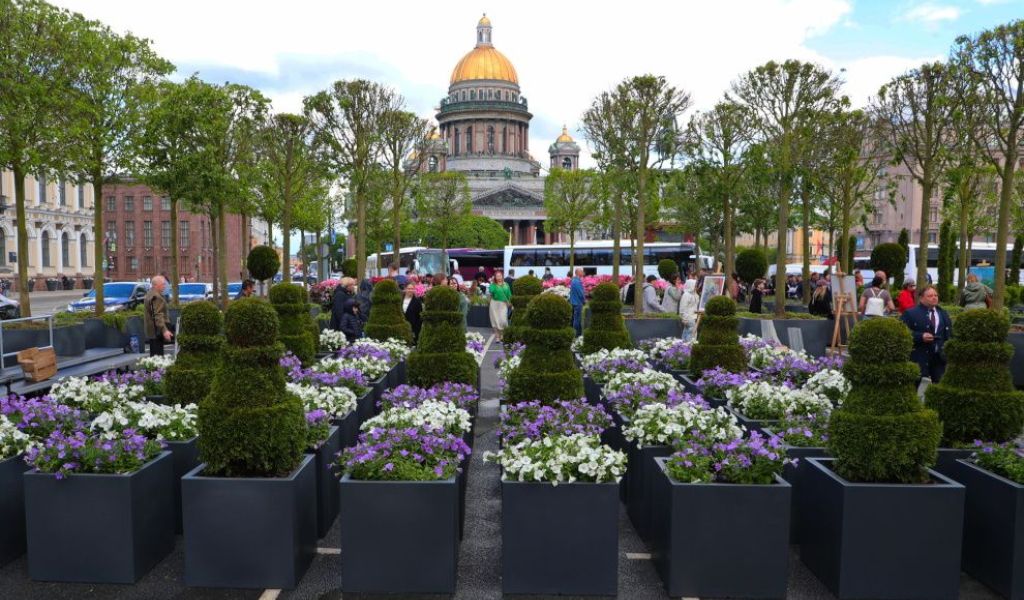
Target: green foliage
(607, 328)
(1012, 295)
(441, 353)
(296, 326)
(548, 370)
(851, 252)
(349, 268)
(201, 318)
(718, 343)
(890, 258)
(263, 263)
(470, 231)
(943, 263)
(751, 264)
(667, 268)
(524, 289)
(248, 425)
(904, 242)
(386, 319)
(881, 433)
(1015, 257)
(976, 399)
(442, 201)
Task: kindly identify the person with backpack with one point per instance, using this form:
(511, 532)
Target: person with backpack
(876, 301)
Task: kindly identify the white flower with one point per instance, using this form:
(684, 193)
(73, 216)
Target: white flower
(398, 349)
(154, 363)
(560, 459)
(658, 381)
(829, 383)
(13, 441)
(159, 421)
(372, 368)
(332, 340)
(577, 347)
(94, 396)
(558, 290)
(659, 424)
(336, 401)
(763, 401)
(764, 356)
(434, 414)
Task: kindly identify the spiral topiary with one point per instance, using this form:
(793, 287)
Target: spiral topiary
(349, 267)
(296, 325)
(548, 371)
(386, 319)
(249, 426)
(667, 268)
(607, 329)
(889, 257)
(262, 262)
(976, 399)
(718, 343)
(524, 289)
(200, 340)
(751, 264)
(882, 433)
(441, 355)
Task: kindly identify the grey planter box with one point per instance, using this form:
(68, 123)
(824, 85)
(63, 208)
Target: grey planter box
(185, 456)
(947, 459)
(478, 316)
(16, 340)
(249, 532)
(69, 340)
(753, 424)
(348, 427)
(93, 528)
(402, 374)
(366, 406)
(99, 335)
(379, 387)
(796, 475)
(559, 539)
(721, 540)
(640, 475)
(12, 509)
(592, 390)
(643, 329)
(993, 529)
(816, 333)
(134, 326)
(327, 501)
(399, 537)
(885, 541)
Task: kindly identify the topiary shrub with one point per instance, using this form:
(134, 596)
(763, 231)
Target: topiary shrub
(718, 343)
(441, 353)
(882, 433)
(249, 426)
(667, 268)
(976, 399)
(386, 319)
(262, 262)
(349, 267)
(889, 258)
(751, 264)
(296, 325)
(524, 289)
(607, 330)
(200, 341)
(548, 371)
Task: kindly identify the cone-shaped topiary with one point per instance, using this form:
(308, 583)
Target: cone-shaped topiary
(441, 353)
(976, 399)
(386, 319)
(607, 329)
(667, 268)
(349, 267)
(292, 305)
(718, 343)
(751, 264)
(200, 340)
(262, 262)
(882, 433)
(548, 371)
(523, 290)
(249, 426)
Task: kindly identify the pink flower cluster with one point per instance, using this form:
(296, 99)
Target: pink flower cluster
(589, 281)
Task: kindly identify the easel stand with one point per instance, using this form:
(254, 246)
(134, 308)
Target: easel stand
(843, 317)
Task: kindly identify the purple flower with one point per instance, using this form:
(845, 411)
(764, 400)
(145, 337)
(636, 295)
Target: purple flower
(534, 420)
(424, 454)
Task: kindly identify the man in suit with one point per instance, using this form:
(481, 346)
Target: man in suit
(155, 319)
(931, 328)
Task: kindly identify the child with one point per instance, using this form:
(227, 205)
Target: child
(352, 321)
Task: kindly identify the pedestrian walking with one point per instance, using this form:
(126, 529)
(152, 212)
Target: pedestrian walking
(931, 327)
(156, 323)
(501, 295)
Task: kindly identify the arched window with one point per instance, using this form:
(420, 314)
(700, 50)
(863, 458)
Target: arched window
(490, 140)
(432, 164)
(83, 252)
(469, 140)
(65, 249)
(3, 247)
(472, 94)
(566, 163)
(458, 139)
(46, 248)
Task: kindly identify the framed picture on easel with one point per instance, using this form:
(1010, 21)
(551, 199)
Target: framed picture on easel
(844, 286)
(714, 285)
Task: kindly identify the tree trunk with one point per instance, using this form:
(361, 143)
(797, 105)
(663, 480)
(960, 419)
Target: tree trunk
(922, 244)
(962, 271)
(616, 239)
(286, 239)
(246, 244)
(320, 258)
(213, 263)
(361, 240)
(780, 246)
(22, 241)
(396, 222)
(572, 252)
(1005, 196)
(805, 226)
(222, 256)
(638, 254)
(302, 257)
(99, 243)
(174, 249)
(729, 238)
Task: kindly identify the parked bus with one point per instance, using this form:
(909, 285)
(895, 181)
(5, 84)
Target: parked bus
(470, 260)
(423, 260)
(595, 257)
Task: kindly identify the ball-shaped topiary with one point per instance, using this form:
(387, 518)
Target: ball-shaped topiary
(200, 340)
(386, 319)
(441, 353)
(976, 399)
(607, 329)
(548, 371)
(718, 343)
(882, 433)
(889, 257)
(262, 262)
(349, 267)
(524, 289)
(751, 264)
(295, 331)
(249, 426)
(667, 268)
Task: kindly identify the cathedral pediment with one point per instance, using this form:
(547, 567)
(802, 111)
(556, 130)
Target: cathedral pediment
(509, 196)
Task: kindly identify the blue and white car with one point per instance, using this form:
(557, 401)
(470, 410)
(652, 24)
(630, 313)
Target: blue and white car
(233, 288)
(9, 308)
(192, 292)
(117, 295)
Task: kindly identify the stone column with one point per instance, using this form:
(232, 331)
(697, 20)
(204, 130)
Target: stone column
(531, 233)
(515, 232)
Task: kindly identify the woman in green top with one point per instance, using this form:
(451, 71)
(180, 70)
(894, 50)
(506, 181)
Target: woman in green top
(501, 294)
(463, 300)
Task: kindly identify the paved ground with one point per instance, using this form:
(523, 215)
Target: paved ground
(479, 560)
(51, 302)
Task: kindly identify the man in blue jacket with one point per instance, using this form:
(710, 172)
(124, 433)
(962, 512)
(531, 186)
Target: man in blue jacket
(931, 328)
(577, 298)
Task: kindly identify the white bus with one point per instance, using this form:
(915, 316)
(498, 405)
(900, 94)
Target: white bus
(424, 260)
(595, 257)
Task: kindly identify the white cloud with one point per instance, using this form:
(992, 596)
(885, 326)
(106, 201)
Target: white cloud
(932, 14)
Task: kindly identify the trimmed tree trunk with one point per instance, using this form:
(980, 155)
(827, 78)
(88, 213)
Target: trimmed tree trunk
(222, 256)
(780, 261)
(99, 244)
(214, 263)
(638, 254)
(805, 206)
(174, 249)
(1005, 197)
(22, 242)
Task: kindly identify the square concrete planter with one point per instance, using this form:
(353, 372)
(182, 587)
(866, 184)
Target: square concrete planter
(559, 539)
(249, 532)
(100, 335)
(348, 429)
(753, 424)
(399, 537)
(478, 316)
(69, 340)
(366, 406)
(641, 473)
(795, 476)
(592, 390)
(378, 388)
(185, 456)
(12, 509)
(881, 540)
(98, 528)
(644, 329)
(326, 483)
(993, 529)
(947, 458)
(719, 539)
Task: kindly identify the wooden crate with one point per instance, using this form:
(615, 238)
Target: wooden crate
(38, 364)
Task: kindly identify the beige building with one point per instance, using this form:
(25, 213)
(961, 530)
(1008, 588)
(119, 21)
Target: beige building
(59, 221)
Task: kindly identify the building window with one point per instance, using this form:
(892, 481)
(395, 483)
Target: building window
(133, 264)
(165, 234)
(458, 141)
(147, 234)
(933, 214)
(46, 248)
(111, 263)
(81, 196)
(183, 232)
(165, 203)
(432, 164)
(83, 251)
(65, 249)
(111, 235)
(129, 234)
(147, 265)
(41, 192)
(129, 204)
(62, 196)
(469, 140)
(3, 247)
(490, 140)
(111, 204)
(147, 203)
(931, 237)
(566, 163)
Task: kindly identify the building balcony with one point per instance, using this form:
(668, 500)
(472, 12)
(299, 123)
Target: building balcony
(454, 108)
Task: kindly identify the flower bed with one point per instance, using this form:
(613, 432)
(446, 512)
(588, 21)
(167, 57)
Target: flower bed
(534, 420)
(605, 364)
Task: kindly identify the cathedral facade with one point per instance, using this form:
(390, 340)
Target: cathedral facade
(484, 133)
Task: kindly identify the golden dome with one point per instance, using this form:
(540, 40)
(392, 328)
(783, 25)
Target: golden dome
(434, 135)
(484, 21)
(565, 137)
(484, 62)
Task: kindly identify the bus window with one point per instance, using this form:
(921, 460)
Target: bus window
(626, 256)
(405, 260)
(523, 258)
(554, 258)
(583, 257)
(601, 257)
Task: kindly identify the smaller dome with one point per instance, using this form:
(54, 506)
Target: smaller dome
(434, 135)
(565, 137)
(484, 21)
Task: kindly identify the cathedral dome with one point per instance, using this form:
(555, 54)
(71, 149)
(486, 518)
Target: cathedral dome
(483, 61)
(565, 137)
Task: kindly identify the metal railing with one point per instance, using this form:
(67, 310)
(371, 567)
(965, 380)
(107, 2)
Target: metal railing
(4, 354)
